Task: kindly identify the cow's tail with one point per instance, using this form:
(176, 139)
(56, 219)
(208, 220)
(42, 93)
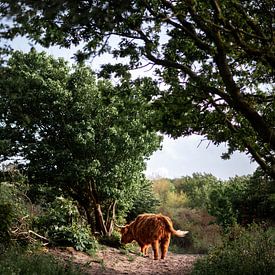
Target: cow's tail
(178, 233)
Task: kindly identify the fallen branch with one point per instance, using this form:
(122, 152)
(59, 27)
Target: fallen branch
(39, 236)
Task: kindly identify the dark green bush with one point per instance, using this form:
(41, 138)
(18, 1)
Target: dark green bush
(113, 240)
(6, 217)
(243, 252)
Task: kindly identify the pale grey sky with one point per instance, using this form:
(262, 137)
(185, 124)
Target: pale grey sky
(188, 155)
(180, 157)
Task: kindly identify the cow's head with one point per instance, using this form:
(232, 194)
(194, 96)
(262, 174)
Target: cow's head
(126, 235)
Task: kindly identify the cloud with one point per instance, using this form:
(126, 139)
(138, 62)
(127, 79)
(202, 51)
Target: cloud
(185, 156)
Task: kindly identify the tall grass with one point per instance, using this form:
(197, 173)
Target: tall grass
(243, 252)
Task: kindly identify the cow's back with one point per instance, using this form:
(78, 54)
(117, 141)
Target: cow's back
(149, 227)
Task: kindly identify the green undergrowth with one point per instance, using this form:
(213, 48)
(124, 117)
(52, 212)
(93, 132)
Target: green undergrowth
(248, 251)
(16, 261)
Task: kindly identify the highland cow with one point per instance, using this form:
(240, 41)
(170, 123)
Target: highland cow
(151, 229)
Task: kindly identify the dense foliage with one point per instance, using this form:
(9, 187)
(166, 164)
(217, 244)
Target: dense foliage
(216, 57)
(78, 134)
(209, 207)
(237, 200)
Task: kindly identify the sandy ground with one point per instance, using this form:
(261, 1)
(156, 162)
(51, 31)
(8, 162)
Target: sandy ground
(113, 261)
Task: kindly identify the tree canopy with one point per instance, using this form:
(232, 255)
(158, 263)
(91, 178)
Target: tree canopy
(75, 132)
(216, 57)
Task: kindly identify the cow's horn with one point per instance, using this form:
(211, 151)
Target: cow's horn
(119, 226)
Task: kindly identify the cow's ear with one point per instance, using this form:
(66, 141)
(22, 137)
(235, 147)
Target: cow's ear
(124, 230)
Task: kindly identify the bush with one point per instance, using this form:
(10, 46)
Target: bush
(204, 233)
(15, 261)
(243, 251)
(63, 225)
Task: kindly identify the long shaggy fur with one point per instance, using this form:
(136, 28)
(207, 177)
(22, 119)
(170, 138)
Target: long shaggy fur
(151, 229)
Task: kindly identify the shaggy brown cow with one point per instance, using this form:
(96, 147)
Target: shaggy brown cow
(151, 229)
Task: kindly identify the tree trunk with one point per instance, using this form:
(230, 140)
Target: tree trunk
(100, 223)
(111, 214)
(105, 228)
(89, 201)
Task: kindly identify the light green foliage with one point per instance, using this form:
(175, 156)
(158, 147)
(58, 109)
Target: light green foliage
(62, 224)
(185, 200)
(176, 200)
(243, 251)
(216, 57)
(197, 188)
(168, 195)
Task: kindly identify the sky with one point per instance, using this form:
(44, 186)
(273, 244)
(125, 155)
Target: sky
(187, 155)
(177, 158)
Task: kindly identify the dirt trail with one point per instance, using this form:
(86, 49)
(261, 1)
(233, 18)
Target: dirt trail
(113, 261)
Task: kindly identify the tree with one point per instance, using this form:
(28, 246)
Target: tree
(197, 188)
(72, 131)
(216, 57)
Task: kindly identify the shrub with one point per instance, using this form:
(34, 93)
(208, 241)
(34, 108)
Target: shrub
(13, 210)
(243, 251)
(204, 233)
(63, 225)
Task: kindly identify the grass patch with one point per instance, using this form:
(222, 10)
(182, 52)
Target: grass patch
(16, 261)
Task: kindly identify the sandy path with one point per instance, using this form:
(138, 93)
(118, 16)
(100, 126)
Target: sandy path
(114, 261)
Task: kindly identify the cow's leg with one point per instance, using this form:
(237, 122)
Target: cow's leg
(155, 246)
(164, 244)
(144, 249)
